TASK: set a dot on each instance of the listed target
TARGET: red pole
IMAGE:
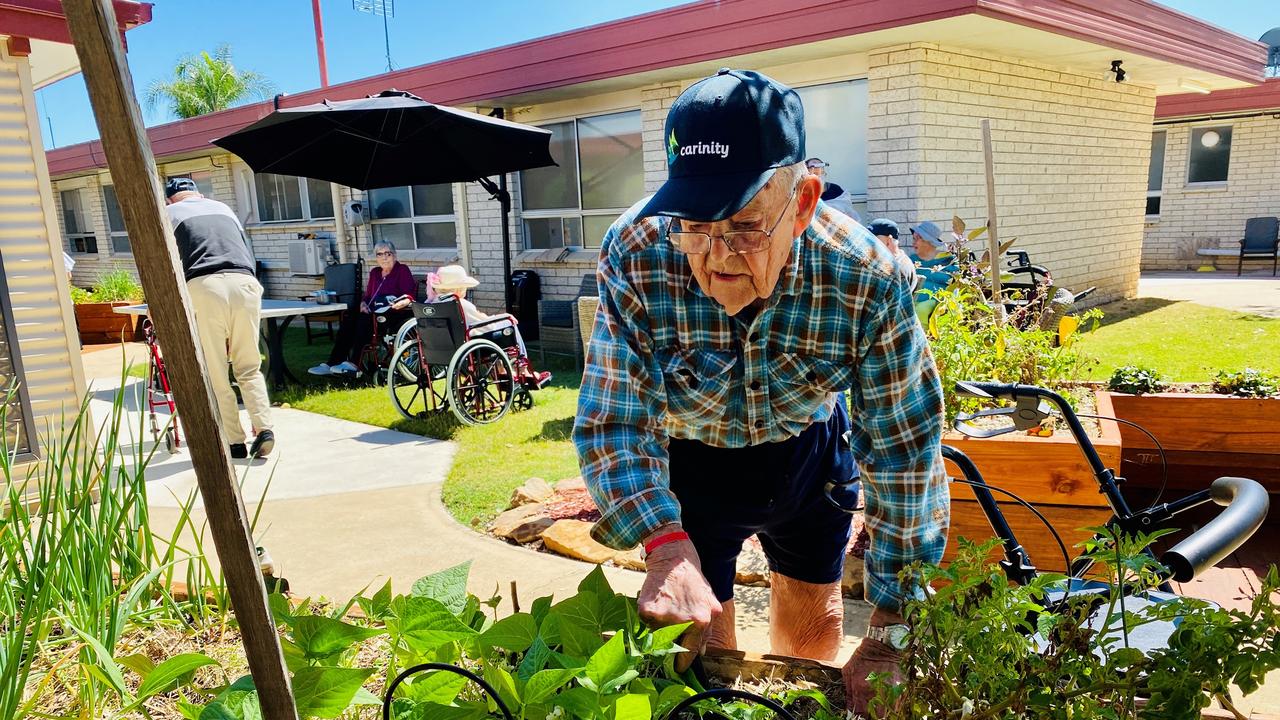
(324, 65)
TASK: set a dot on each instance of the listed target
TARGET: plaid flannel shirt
(665, 360)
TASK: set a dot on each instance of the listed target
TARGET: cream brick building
(894, 96)
(1215, 163)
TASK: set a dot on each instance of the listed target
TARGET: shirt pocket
(800, 383)
(697, 383)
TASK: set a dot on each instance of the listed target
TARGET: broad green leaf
(364, 697)
(281, 610)
(448, 586)
(426, 624)
(618, 682)
(169, 672)
(322, 637)
(502, 681)
(326, 692)
(664, 639)
(671, 696)
(234, 705)
(579, 702)
(515, 633)
(596, 582)
(436, 711)
(294, 658)
(380, 602)
(106, 664)
(189, 711)
(539, 609)
(440, 687)
(534, 660)
(608, 662)
(139, 663)
(632, 707)
(580, 620)
(545, 683)
(549, 629)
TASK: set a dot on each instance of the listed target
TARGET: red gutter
(1260, 97)
(714, 29)
(44, 19)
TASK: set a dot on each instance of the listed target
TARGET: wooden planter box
(1204, 437)
(99, 323)
(1050, 473)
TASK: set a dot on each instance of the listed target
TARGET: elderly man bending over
(732, 319)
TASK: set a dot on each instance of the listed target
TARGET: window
(1155, 173)
(19, 437)
(284, 198)
(414, 217)
(76, 225)
(1210, 154)
(835, 129)
(115, 223)
(600, 175)
(202, 179)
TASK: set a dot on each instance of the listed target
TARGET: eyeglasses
(384, 253)
(740, 242)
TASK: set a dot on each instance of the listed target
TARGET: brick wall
(1071, 155)
(1212, 217)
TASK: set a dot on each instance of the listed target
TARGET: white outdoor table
(277, 315)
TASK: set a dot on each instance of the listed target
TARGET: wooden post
(993, 240)
(133, 170)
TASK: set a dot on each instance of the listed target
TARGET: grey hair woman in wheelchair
(390, 289)
(453, 280)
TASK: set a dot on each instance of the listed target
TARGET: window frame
(413, 219)
(89, 236)
(1206, 184)
(113, 235)
(23, 397)
(858, 200)
(574, 212)
(304, 201)
(1158, 192)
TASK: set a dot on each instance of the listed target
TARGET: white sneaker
(321, 369)
(343, 368)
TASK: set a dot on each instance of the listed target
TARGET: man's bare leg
(724, 633)
(805, 619)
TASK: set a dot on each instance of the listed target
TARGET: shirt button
(759, 424)
(755, 384)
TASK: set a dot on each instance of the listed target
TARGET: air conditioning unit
(308, 256)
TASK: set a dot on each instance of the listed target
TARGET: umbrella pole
(499, 192)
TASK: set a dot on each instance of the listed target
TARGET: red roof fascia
(713, 29)
(44, 19)
(1260, 97)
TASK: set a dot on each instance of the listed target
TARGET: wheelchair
(440, 363)
(375, 353)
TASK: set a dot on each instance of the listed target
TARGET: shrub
(1248, 383)
(117, 286)
(80, 296)
(1136, 380)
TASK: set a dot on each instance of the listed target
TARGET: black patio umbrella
(391, 139)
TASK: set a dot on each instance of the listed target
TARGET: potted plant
(1229, 430)
(94, 309)
(970, 341)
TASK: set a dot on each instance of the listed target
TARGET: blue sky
(275, 37)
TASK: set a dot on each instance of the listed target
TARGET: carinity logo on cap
(675, 149)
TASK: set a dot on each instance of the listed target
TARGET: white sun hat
(453, 277)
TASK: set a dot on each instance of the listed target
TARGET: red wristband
(661, 540)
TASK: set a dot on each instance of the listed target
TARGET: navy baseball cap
(883, 226)
(725, 136)
(175, 185)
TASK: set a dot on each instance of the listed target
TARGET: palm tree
(204, 83)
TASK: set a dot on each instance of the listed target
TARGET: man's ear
(807, 196)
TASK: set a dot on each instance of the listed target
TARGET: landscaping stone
(569, 485)
(534, 490)
(632, 559)
(572, 538)
(753, 567)
(523, 524)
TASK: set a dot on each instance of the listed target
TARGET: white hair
(384, 245)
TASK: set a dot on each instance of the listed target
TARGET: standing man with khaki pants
(227, 300)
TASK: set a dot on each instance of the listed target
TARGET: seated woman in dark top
(388, 280)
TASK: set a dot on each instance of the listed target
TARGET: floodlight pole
(320, 55)
(100, 49)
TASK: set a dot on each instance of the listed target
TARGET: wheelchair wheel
(408, 332)
(481, 383)
(411, 392)
(523, 399)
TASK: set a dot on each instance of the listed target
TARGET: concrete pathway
(1257, 294)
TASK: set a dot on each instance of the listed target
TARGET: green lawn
(1183, 341)
(492, 459)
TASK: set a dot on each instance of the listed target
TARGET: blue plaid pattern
(665, 361)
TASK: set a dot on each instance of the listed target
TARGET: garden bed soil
(1050, 473)
(1204, 436)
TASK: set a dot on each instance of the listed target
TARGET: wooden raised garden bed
(1204, 437)
(1050, 473)
(99, 323)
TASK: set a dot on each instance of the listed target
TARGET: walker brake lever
(1028, 413)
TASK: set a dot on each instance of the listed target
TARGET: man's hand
(872, 656)
(675, 592)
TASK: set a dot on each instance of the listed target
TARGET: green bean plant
(1247, 383)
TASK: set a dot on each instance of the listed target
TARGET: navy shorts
(774, 490)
